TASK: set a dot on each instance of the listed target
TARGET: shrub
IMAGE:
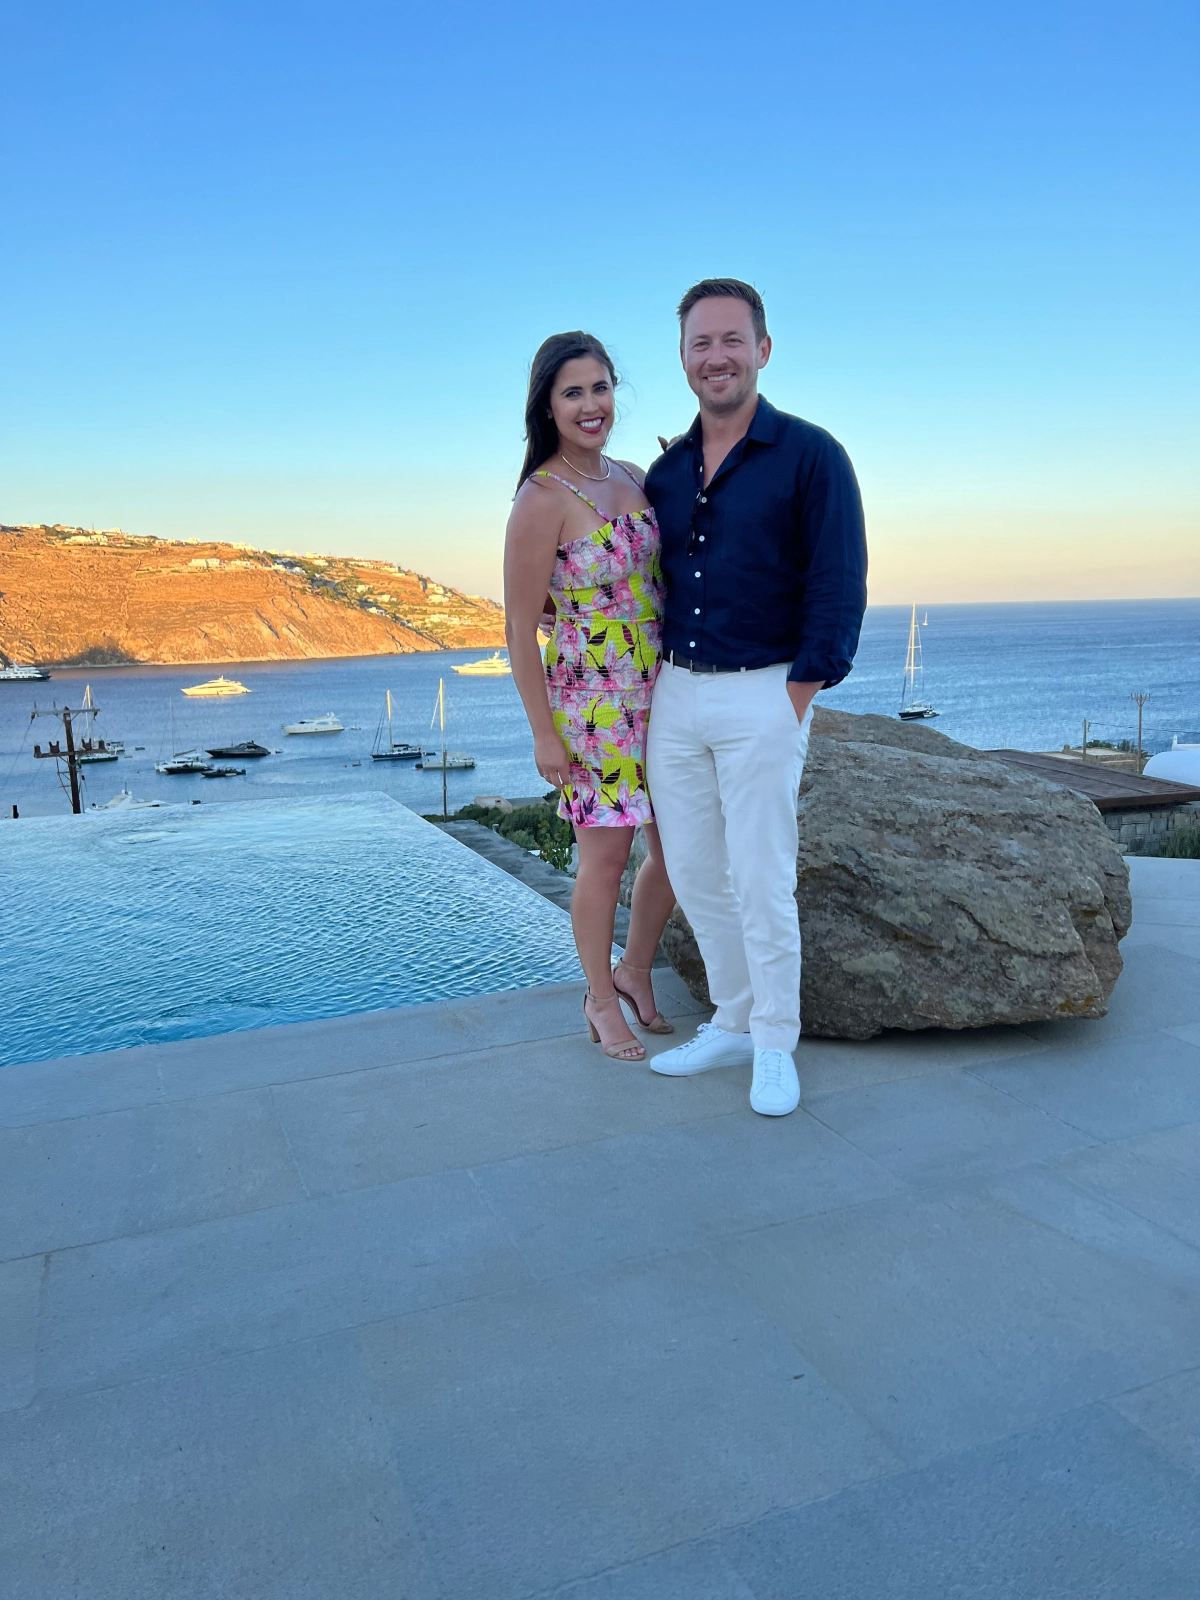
(537, 827)
(1183, 843)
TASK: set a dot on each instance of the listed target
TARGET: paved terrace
(441, 1303)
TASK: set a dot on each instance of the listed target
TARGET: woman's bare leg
(652, 903)
(603, 853)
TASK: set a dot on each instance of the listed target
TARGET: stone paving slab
(929, 1129)
(1154, 1175)
(82, 1179)
(269, 1475)
(491, 1105)
(650, 1193)
(1106, 1090)
(146, 1306)
(1082, 1508)
(951, 1321)
(549, 1440)
(20, 1303)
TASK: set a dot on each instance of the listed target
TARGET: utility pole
(70, 755)
(1140, 700)
(1083, 747)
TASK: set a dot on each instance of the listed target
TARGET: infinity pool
(177, 923)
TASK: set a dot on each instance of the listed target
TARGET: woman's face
(581, 403)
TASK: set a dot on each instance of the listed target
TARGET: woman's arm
(530, 549)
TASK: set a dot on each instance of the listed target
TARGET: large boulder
(939, 888)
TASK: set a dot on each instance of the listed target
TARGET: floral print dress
(601, 664)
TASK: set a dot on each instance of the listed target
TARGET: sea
(1019, 676)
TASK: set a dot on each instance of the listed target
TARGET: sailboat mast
(910, 660)
(391, 741)
(442, 715)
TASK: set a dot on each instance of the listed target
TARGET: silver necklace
(591, 475)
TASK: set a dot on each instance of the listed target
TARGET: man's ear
(764, 351)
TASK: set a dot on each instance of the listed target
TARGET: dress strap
(572, 488)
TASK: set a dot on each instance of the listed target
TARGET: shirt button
(701, 538)
(703, 499)
(697, 611)
(697, 574)
(691, 644)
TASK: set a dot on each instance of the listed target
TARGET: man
(764, 561)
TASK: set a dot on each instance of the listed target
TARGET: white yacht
(216, 687)
(450, 760)
(326, 724)
(125, 801)
(12, 673)
(493, 666)
(184, 761)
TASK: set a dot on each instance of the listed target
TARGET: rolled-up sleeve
(833, 549)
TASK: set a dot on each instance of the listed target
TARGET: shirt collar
(763, 429)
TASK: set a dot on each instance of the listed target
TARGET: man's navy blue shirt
(777, 566)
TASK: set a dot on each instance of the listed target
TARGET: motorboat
(99, 751)
(493, 666)
(184, 761)
(246, 751)
(125, 801)
(216, 688)
(224, 772)
(912, 707)
(447, 760)
(391, 751)
(326, 724)
(12, 673)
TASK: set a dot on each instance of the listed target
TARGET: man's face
(720, 354)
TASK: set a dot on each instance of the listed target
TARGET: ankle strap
(596, 1001)
(629, 966)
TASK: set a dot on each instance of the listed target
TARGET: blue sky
(275, 272)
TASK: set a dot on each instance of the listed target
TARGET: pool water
(128, 928)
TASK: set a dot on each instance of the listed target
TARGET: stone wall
(1139, 833)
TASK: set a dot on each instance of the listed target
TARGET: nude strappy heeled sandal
(631, 1050)
(658, 1023)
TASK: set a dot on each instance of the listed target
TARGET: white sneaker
(776, 1088)
(712, 1047)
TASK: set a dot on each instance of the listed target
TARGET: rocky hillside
(67, 595)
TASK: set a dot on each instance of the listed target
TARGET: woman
(582, 531)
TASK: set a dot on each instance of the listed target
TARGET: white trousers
(724, 760)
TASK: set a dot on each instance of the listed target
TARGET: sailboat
(443, 760)
(912, 707)
(181, 762)
(391, 751)
(92, 749)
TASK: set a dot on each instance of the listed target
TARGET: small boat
(391, 751)
(246, 751)
(10, 672)
(449, 760)
(224, 772)
(326, 724)
(493, 666)
(184, 761)
(98, 752)
(216, 687)
(912, 707)
(126, 802)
